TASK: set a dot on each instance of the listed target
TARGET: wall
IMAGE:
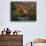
(30, 30)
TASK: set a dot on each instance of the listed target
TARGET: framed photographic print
(23, 11)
